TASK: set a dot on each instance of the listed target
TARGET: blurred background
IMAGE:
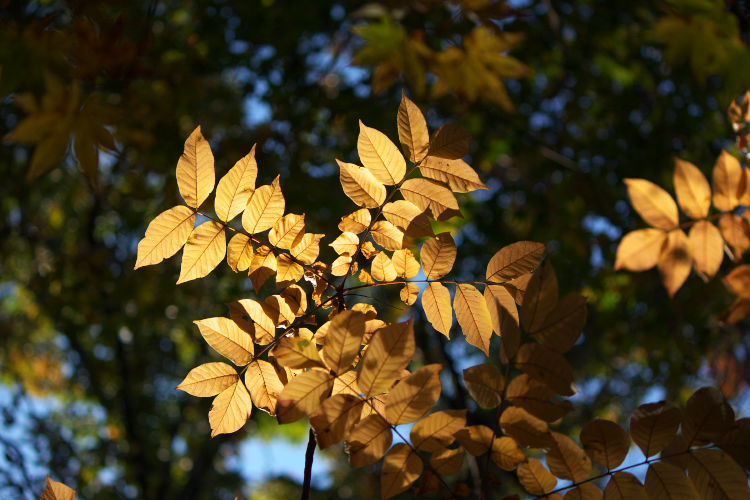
(564, 99)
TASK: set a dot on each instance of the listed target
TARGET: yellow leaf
(654, 425)
(409, 294)
(716, 475)
(408, 217)
(457, 174)
(297, 354)
(388, 353)
(540, 298)
(477, 439)
(506, 453)
(624, 486)
(653, 204)
(485, 384)
(414, 395)
(667, 482)
(566, 459)
(707, 247)
(341, 265)
(438, 255)
(562, 328)
(675, 261)
(296, 299)
(236, 187)
(382, 268)
(535, 477)
(401, 467)
(264, 328)
(230, 409)
(405, 263)
(343, 340)
(240, 252)
(412, 130)
(447, 461)
(204, 249)
(450, 142)
(361, 186)
(735, 230)
(264, 385)
(227, 339)
(387, 235)
(346, 244)
(165, 235)
(514, 260)
(265, 207)
(302, 395)
(535, 397)
(693, 191)
(346, 383)
(436, 302)
(287, 231)
(707, 417)
(55, 490)
(208, 379)
(282, 312)
(640, 250)
(355, 222)
(335, 418)
(546, 365)
(288, 271)
(473, 316)
(368, 441)
(380, 156)
(738, 280)
(501, 305)
(606, 442)
(195, 170)
(368, 250)
(426, 193)
(262, 267)
(525, 428)
(436, 431)
(308, 248)
(727, 180)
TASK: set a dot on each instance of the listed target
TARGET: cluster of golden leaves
(666, 245)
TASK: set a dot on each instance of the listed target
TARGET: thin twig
(309, 456)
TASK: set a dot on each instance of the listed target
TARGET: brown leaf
(414, 395)
(401, 467)
(412, 130)
(735, 230)
(736, 442)
(387, 235)
(335, 418)
(411, 219)
(640, 250)
(506, 453)
(707, 416)
(566, 459)
(535, 477)
(55, 490)
(675, 261)
(450, 141)
(540, 298)
(563, 327)
(302, 395)
(738, 280)
(606, 442)
(343, 340)
(264, 385)
(652, 203)
(368, 441)
(667, 482)
(585, 491)
(716, 475)
(501, 305)
(525, 428)
(547, 366)
(535, 397)
(426, 193)
(485, 384)
(457, 174)
(514, 260)
(438, 255)
(262, 267)
(624, 486)
(388, 353)
(473, 316)
(355, 222)
(447, 461)
(297, 354)
(654, 425)
(693, 191)
(361, 186)
(436, 431)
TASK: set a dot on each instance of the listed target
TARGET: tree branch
(309, 455)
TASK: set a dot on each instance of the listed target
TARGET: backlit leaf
(653, 204)
(536, 398)
(260, 313)
(236, 187)
(485, 384)
(514, 260)
(693, 191)
(432, 195)
(436, 301)
(457, 174)
(675, 261)
(412, 130)
(506, 453)
(447, 461)
(55, 490)
(547, 366)
(401, 467)
(540, 298)
(639, 250)
(408, 217)
(380, 156)
(240, 252)
(738, 280)
(355, 222)
(368, 441)
(302, 395)
(165, 235)
(450, 141)
(382, 268)
(204, 250)
(501, 305)
(584, 491)
(707, 416)
(716, 476)
(227, 339)
(707, 247)
(606, 442)
(436, 431)
(562, 327)
(654, 425)
(667, 482)
(405, 263)
(287, 231)
(409, 294)
(297, 353)
(624, 486)
(208, 379)
(343, 340)
(477, 439)
(535, 477)
(335, 418)
(525, 428)
(388, 353)
(265, 207)
(307, 248)
(361, 186)
(566, 459)
(414, 395)
(387, 235)
(346, 244)
(736, 232)
(262, 266)
(727, 182)
(288, 271)
(296, 299)
(264, 385)
(438, 255)
(473, 316)
(230, 409)
(195, 170)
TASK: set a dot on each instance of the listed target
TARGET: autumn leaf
(264, 385)
(432, 195)
(537, 398)
(265, 207)
(707, 247)
(401, 467)
(450, 142)
(343, 340)
(606, 442)
(652, 203)
(654, 425)
(405, 264)
(727, 182)
(382, 269)
(389, 352)
(227, 339)
(380, 156)
(514, 260)
(55, 490)
(693, 191)
(535, 477)
(195, 170)
(287, 231)
(457, 174)
(412, 130)
(624, 486)
(715, 475)
(335, 418)
(368, 441)
(204, 250)
(546, 366)
(302, 395)
(675, 261)
(408, 217)
(355, 222)
(438, 255)
(236, 187)
(165, 235)
(668, 482)
(473, 316)
(230, 409)
(485, 384)
(436, 431)
(525, 428)
(208, 379)
(436, 302)
(639, 250)
(414, 395)
(240, 252)
(361, 186)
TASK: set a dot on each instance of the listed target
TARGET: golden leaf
(236, 187)
(473, 316)
(308, 248)
(716, 475)
(341, 265)
(261, 314)
(296, 299)
(346, 244)
(707, 247)
(451, 142)
(566, 459)
(653, 204)
(436, 431)
(355, 222)
(675, 261)
(639, 250)
(426, 193)
(736, 232)
(436, 302)
(409, 294)
(335, 418)
(485, 384)
(438, 255)
(264, 385)
(412, 130)
(727, 181)
(506, 453)
(165, 235)
(606, 442)
(343, 340)
(361, 186)
(501, 306)
(227, 339)
(401, 467)
(447, 461)
(368, 441)
(738, 280)
(624, 486)
(540, 298)
(667, 482)
(265, 207)
(204, 249)
(693, 191)
(535, 477)
(55, 490)
(287, 231)
(282, 312)
(208, 379)
(240, 252)
(525, 428)
(546, 365)
(382, 268)
(262, 267)
(534, 397)
(707, 417)
(230, 409)
(562, 328)
(346, 383)
(654, 425)
(380, 156)
(405, 263)
(368, 250)
(388, 353)
(457, 174)
(414, 395)
(408, 217)
(387, 235)
(514, 260)
(195, 170)
(288, 271)
(365, 277)
(302, 395)
(297, 354)
(477, 439)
